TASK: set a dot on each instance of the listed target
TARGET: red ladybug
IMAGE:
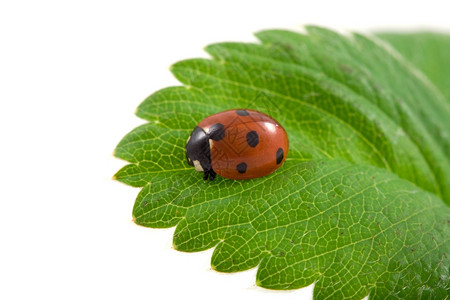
(237, 144)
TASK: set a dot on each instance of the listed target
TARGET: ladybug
(237, 144)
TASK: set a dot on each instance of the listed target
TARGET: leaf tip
(214, 267)
(172, 67)
(174, 246)
(258, 282)
(115, 176)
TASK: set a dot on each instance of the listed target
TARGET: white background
(71, 75)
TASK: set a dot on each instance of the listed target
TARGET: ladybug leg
(212, 174)
(209, 174)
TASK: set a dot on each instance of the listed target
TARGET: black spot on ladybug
(252, 139)
(242, 112)
(242, 167)
(280, 155)
(217, 132)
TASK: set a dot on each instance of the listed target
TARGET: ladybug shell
(251, 143)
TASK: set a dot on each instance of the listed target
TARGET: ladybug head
(197, 150)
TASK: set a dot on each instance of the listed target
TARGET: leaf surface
(360, 206)
(428, 51)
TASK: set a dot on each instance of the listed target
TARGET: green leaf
(361, 205)
(429, 52)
